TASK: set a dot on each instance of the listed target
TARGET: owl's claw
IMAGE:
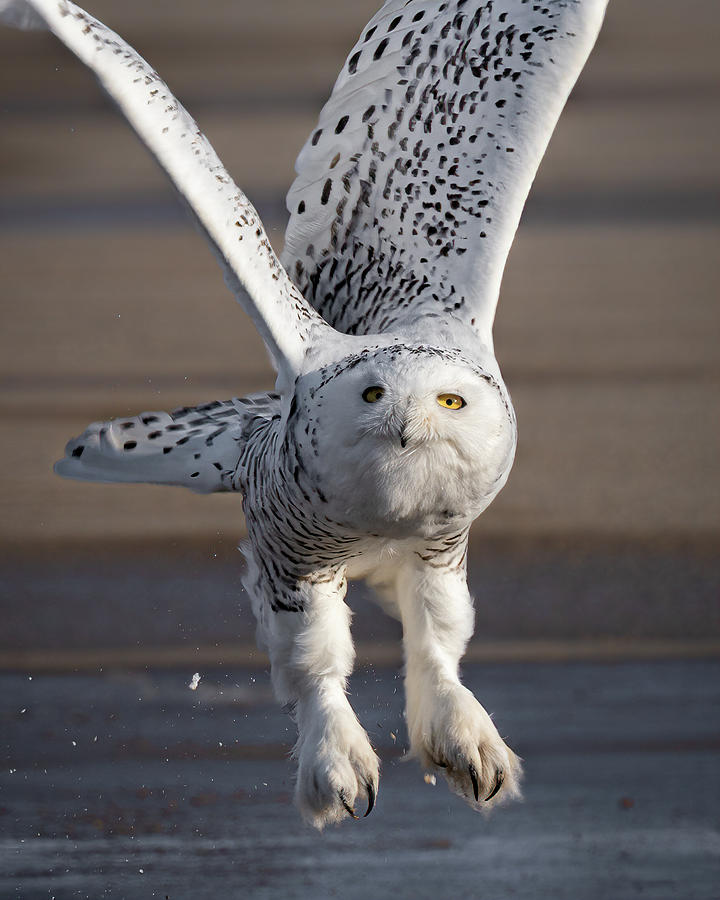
(474, 778)
(348, 809)
(371, 798)
(499, 778)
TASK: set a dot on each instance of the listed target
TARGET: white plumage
(424, 155)
(391, 429)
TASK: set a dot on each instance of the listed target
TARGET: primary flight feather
(390, 429)
(410, 189)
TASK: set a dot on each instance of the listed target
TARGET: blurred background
(604, 544)
(607, 328)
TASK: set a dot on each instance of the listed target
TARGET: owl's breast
(399, 493)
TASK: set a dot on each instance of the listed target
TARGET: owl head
(405, 438)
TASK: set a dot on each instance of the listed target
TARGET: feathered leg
(448, 728)
(311, 654)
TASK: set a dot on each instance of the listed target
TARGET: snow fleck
(430, 779)
(194, 682)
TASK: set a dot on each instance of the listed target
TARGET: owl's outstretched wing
(410, 190)
(281, 315)
(196, 447)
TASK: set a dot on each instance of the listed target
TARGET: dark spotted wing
(196, 447)
(410, 189)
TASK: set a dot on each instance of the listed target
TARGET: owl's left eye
(451, 401)
(373, 394)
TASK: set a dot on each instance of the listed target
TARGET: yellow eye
(373, 394)
(451, 401)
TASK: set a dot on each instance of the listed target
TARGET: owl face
(406, 439)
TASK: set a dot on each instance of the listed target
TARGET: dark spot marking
(78, 451)
(129, 445)
(341, 124)
(325, 196)
(380, 49)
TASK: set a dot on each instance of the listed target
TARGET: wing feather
(280, 313)
(195, 447)
(410, 189)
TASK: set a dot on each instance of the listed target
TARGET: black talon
(371, 797)
(350, 811)
(474, 778)
(499, 778)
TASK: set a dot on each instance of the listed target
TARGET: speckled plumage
(410, 189)
(390, 429)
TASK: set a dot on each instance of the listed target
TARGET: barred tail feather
(194, 447)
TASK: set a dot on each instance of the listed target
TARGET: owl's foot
(451, 731)
(337, 770)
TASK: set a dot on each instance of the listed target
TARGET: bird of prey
(389, 429)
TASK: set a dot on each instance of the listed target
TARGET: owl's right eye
(373, 394)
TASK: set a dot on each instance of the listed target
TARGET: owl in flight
(390, 428)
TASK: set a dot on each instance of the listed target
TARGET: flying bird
(389, 429)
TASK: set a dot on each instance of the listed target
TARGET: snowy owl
(390, 428)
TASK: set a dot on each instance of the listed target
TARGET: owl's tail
(195, 447)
